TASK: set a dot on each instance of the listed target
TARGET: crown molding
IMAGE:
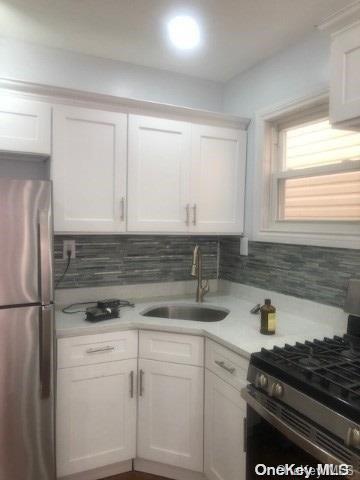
(341, 19)
(128, 105)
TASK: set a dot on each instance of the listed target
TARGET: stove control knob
(262, 380)
(353, 437)
(277, 390)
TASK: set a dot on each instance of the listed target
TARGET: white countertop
(238, 331)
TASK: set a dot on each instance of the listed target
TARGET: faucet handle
(205, 287)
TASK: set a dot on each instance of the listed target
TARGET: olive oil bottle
(268, 318)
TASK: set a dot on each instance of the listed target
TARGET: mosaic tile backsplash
(129, 259)
(315, 273)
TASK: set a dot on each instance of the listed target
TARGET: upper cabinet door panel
(25, 126)
(89, 170)
(159, 159)
(217, 179)
(345, 77)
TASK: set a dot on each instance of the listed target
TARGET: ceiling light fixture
(184, 32)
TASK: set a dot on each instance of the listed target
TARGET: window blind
(318, 144)
(326, 195)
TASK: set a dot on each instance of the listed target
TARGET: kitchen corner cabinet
(185, 177)
(89, 170)
(25, 126)
(345, 78)
(170, 425)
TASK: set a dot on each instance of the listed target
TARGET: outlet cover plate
(69, 245)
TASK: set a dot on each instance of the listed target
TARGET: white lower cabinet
(170, 425)
(113, 406)
(225, 411)
(96, 416)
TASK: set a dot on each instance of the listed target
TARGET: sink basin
(198, 313)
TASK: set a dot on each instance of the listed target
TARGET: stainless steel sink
(198, 313)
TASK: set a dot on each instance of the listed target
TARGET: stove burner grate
(333, 364)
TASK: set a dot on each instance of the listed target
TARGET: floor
(135, 476)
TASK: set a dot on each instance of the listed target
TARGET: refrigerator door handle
(45, 257)
(46, 350)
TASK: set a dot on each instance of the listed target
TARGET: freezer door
(25, 242)
(26, 394)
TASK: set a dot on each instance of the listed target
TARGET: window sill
(315, 239)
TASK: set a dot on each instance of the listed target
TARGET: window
(319, 173)
(309, 174)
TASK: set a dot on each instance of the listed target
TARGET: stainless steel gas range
(303, 410)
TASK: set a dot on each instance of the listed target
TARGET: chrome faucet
(196, 271)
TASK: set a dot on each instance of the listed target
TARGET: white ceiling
(236, 33)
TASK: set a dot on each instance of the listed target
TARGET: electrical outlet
(244, 246)
(69, 245)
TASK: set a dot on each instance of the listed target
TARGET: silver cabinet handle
(132, 384)
(122, 209)
(222, 364)
(187, 219)
(141, 389)
(108, 348)
(194, 214)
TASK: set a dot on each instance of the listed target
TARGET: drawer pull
(108, 348)
(222, 364)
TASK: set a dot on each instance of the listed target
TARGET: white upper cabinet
(184, 177)
(217, 179)
(345, 78)
(25, 126)
(89, 170)
(158, 182)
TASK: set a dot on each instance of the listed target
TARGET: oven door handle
(293, 435)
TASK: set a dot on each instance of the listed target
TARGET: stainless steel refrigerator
(26, 331)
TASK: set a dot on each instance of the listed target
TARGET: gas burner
(310, 362)
(354, 351)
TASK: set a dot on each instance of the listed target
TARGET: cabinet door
(224, 430)
(96, 416)
(159, 159)
(170, 425)
(89, 170)
(217, 179)
(345, 77)
(25, 126)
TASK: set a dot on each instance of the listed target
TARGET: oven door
(277, 436)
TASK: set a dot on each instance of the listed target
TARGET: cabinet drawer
(172, 347)
(92, 349)
(226, 364)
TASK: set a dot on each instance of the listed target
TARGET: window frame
(266, 224)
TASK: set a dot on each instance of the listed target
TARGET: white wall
(295, 72)
(34, 63)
